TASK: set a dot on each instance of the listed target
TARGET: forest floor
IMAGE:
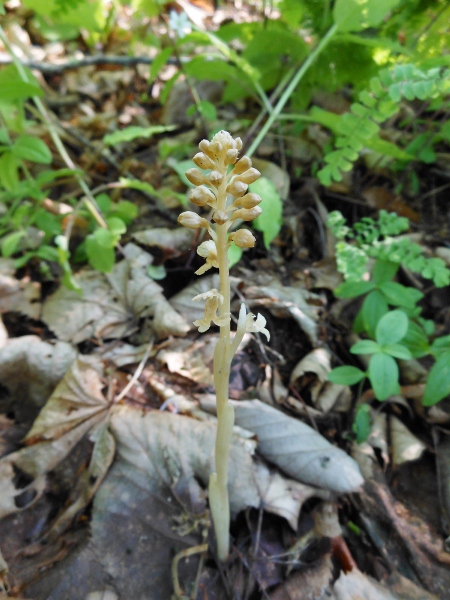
(107, 418)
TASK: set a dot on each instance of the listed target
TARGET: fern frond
(376, 105)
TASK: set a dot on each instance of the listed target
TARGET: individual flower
(243, 238)
(249, 176)
(242, 165)
(212, 300)
(252, 326)
(237, 188)
(201, 196)
(195, 176)
(248, 201)
(203, 161)
(220, 217)
(209, 251)
(192, 220)
(247, 214)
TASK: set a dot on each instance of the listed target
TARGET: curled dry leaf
(112, 305)
(21, 296)
(325, 394)
(297, 449)
(30, 369)
(405, 445)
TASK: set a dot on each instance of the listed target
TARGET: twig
(137, 373)
(88, 61)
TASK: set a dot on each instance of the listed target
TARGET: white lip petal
(256, 326)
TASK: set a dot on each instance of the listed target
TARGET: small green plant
(389, 316)
(228, 177)
(360, 127)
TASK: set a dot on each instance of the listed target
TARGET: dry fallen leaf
(22, 296)
(357, 586)
(112, 305)
(172, 241)
(292, 301)
(77, 399)
(405, 445)
(30, 369)
(297, 449)
(325, 395)
(191, 359)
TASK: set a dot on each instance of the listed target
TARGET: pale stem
(218, 485)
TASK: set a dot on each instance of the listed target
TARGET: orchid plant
(225, 190)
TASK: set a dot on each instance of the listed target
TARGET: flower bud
(247, 214)
(237, 188)
(242, 165)
(201, 196)
(249, 176)
(231, 156)
(249, 200)
(192, 220)
(238, 143)
(215, 178)
(220, 217)
(195, 176)
(243, 238)
(203, 161)
(205, 147)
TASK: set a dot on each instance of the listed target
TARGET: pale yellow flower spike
(213, 190)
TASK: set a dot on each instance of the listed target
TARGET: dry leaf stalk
(225, 190)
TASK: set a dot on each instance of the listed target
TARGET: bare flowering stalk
(224, 189)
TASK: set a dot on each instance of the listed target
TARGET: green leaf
(400, 295)
(100, 255)
(157, 272)
(397, 351)
(416, 340)
(18, 90)
(384, 270)
(355, 15)
(207, 110)
(9, 171)
(374, 307)
(383, 375)
(116, 226)
(361, 424)
(234, 255)
(125, 210)
(270, 221)
(131, 133)
(11, 242)
(104, 238)
(391, 328)
(28, 147)
(440, 345)
(438, 382)
(365, 347)
(346, 375)
(352, 289)
(158, 62)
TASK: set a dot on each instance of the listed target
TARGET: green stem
(291, 87)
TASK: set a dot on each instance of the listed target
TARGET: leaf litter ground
(100, 491)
